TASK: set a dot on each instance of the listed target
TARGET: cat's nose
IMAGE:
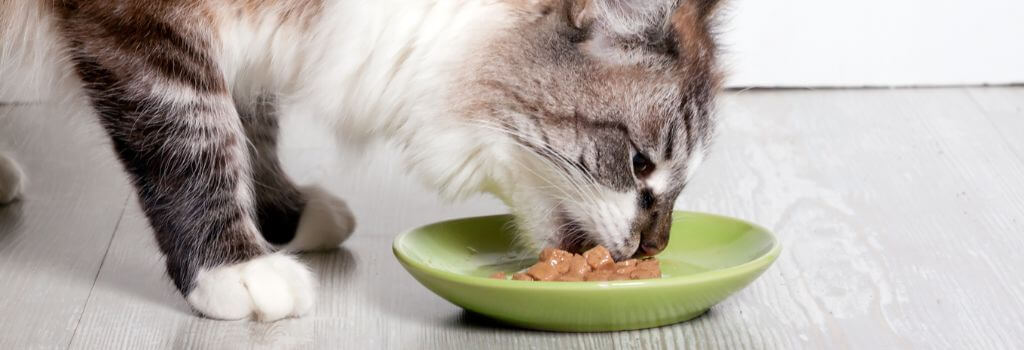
(652, 247)
(655, 239)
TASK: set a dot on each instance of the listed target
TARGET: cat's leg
(12, 179)
(326, 222)
(192, 170)
(165, 105)
(292, 218)
(191, 167)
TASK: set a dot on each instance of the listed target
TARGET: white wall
(873, 42)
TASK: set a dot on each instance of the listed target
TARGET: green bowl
(708, 258)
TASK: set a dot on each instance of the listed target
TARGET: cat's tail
(30, 52)
(12, 179)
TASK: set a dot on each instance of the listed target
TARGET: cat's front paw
(326, 222)
(267, 288)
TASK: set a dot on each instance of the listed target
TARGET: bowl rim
(761, 262)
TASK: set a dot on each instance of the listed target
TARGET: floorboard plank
(1004, 107)
(52, 241)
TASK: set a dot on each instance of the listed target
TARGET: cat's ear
(691, 22)
(581, 13)
(621, 29)
(635, 16)
(644, 21)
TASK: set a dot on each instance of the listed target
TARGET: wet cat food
(593, 265)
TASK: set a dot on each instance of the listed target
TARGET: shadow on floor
(11, 215)
(471, 320)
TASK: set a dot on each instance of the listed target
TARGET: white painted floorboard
(900, 213)
(53, 241)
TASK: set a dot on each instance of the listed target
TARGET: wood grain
(900, 212)
(53, 240)
(1005, 109)
(897, 210)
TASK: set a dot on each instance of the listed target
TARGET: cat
(586, 117)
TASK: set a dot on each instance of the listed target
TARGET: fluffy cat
(587, 117)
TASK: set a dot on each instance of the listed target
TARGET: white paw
(325, 223)
(267, 288)
(12, 179)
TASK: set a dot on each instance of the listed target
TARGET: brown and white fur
(587, 117)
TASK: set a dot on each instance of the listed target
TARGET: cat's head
(605, 111)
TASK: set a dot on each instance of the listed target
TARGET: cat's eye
(642, 165)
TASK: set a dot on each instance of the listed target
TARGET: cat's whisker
(543, 178)
(513, 133)
(584, 191)
(545, 146)
(587, 193)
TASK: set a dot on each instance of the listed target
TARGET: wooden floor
(901, 214)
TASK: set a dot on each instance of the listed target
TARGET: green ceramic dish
(708, 258)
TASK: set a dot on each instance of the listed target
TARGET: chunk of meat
(570, 277)
(599, 258)
(602, 275)
(640, 274)
(543, 271)
(625, 270)
(557, 258)
(578, 265)
(555, 254)
(650, 265)
(618, 277)
(522, 277)
(626, 263)
(594, 265)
